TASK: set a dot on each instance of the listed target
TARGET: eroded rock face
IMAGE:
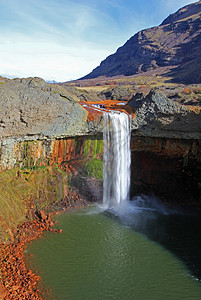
(44, 125)
(34, 153)
(30, 107)
(158, 116)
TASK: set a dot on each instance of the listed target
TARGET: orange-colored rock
(16, 282)
(95, 109)
(63, 150)
(42, 215)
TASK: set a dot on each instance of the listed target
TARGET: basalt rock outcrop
(44, 125)
(30, 107)
(31, 110)
(176, 42)
(158, 116)
(166, 149)
(38, 121)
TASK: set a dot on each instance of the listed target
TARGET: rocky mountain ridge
(176, 42)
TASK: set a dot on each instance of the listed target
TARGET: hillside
(176, 43)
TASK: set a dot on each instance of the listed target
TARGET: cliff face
(40, 174)
(38, 122)
(176, 42)
(168, 168)
(31, 110)
(44, 126)
(47, 152)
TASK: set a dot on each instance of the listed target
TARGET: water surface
(99, 255)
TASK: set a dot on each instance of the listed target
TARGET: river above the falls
(135, 254)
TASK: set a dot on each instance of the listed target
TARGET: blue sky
(63, 40)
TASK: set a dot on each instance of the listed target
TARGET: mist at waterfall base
(121, 249)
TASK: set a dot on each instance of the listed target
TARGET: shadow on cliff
(178, 232)
(188, 72)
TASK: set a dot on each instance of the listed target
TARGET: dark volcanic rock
(176, 42)
(32, 107)
(117, 93)
(158, 116)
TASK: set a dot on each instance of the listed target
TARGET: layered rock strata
(44, 125)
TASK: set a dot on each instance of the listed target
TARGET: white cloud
(53, 42)
(48, 60)
(66, 39)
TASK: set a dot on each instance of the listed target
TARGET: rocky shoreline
(16, 281)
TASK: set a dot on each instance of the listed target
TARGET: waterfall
(116, 159)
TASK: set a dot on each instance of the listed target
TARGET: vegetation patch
(93, 147)
(94, 168)
(25, 190)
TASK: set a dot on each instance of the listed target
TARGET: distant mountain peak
(176, 42)
(183, 13)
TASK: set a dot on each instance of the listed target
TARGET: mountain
(176, 42)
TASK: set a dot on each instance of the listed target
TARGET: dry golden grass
(93, 88)
(19, 188)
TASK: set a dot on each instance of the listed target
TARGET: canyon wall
(40, 174)
(167, 168)
(47, 152)
(50, 143)
(170, 168)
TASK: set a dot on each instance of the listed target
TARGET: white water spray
(116, 159)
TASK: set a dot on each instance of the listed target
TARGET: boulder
(30, 107)
(158, 116)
